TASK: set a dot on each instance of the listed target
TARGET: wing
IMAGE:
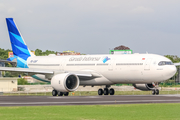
(177, 64)
(26, 70)
(85, 75)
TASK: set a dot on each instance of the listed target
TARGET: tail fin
(20, 50)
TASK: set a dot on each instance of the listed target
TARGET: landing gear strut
(106, 91)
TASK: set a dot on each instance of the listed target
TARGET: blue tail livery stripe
(11, 26)
(20, 49)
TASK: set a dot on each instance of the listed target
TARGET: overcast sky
(95, 26)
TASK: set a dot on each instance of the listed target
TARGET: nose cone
(171, 71)
(174, 70)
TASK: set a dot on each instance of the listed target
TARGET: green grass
(94, 93)
(93, 112)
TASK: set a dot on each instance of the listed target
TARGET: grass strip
(93, 112)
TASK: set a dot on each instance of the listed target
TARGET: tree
(173, 58)
(22, 81)
(39, 52)
(4, 53)
(122, 47)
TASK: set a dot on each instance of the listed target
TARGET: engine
(65, 82)
(144, 87)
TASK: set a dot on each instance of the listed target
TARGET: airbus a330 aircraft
(66, 73)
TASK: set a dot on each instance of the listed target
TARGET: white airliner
(66, 73)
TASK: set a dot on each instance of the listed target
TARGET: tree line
(38, 52)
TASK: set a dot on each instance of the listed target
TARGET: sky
(95, 26)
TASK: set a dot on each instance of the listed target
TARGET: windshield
(165, 63)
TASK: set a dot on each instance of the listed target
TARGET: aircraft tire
(100, 91)
(60, 93)
(111, 91)
(157, 92)
(153, 92)
(54, 93)
(106, 91)
(66, 93)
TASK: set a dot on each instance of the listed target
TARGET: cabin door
(147, 64)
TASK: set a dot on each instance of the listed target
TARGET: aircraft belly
(126, 76)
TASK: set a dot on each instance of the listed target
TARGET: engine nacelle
(65, 82)
(144, 87)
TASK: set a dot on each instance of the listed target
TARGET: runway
(86, 100)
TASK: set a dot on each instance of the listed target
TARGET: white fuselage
(113, 69)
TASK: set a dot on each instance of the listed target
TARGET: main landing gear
(55, 93)
(155, 92)
(106, 91)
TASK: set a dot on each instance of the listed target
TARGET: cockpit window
(165, 63)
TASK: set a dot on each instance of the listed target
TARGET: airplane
(67, 73)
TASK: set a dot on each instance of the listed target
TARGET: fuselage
(113, 69)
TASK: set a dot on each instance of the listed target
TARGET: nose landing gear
(155, 92)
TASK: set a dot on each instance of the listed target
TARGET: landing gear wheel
(66, 93)
(100, 92)
(157, 92)
(153, 92)
(111, 91)
(54, 93)
(106, 91)
(60, 93)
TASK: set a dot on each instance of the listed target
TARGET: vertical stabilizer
(20, 50)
